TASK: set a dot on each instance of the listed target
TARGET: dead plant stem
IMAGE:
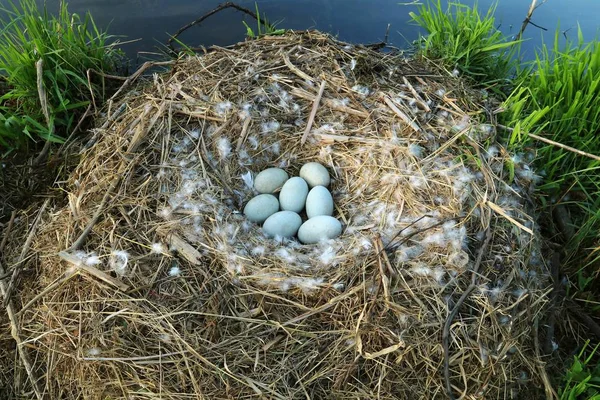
(452, 314)
(13, 278)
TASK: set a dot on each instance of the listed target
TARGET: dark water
(358, 21)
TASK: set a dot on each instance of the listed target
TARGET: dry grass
(175, 295)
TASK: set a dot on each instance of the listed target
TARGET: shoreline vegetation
(58, 71)
(52, 68)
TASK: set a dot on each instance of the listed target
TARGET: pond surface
(357, 21)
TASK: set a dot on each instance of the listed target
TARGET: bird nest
(148, 281)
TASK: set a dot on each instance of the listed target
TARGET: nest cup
(197, 301)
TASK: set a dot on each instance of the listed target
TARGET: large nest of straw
(434, 288)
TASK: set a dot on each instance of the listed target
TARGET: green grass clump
(263, 26)
(582, 381)
(460, 37)
(558, 96)
(66, 46)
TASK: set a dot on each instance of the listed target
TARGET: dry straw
(433, 290)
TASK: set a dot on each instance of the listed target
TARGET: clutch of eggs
(282, 200)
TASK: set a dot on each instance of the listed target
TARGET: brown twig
(563, 222)
(387, 33)
(313, 113)
(296, 70)
(548, 389)
(20, 348)
(24, 251)
(329, 103)
(7, 231)
(564, 147)
(219, 8)
(384, 280)
(133, 77)
(39, 66)
(592, 325)
(243, 134)
(527, 20)
(76, 262)
(452, 314)
(10, 311)
(553, 143)
(386, 260)
(79, 242)
(537, 26)
(38, 160)
(68, 142)
(417, 97)
(105, 75)
(6, 274)
(400, 113)
(496, 208)
(417, 232)
(325, 306)
(90, 87)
